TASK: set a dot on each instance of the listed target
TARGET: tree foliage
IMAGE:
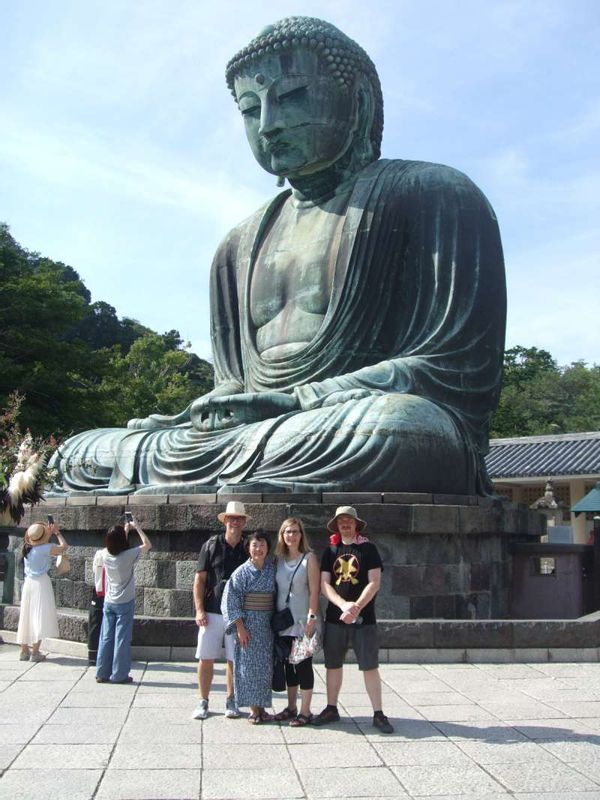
(539, 397)
(77, 364)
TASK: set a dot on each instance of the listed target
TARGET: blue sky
(123, 154)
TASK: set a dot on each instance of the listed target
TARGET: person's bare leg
(229, 678)
(25, 649)
(306, 701)
(35, 648)
(334, 685)
(205, 676)
(373, 686)
(292, 693)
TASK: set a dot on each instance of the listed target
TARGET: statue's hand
(156, 421)
(218, 413)
(348, 394)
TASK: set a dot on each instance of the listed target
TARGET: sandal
(266, 717)
(38, 656)
(287, 713)
(301, 720)
(254, 719)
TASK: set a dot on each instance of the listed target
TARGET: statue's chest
(295, 263)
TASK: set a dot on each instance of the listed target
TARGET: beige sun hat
(36, 532)
(349, 511)
(234, 509)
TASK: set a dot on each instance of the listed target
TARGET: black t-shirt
(349, 565)
(218, 560)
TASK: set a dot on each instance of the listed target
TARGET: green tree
(101, 327)
(76, 362)
(539, 397)
(155, 376)
(40, 301)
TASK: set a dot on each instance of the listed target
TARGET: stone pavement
(468, 731)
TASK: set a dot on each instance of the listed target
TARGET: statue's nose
(270, 117)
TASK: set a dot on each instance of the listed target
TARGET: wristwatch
(312, 616)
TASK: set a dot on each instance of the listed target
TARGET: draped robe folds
(415, 319)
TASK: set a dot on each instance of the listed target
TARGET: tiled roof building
(519, 468)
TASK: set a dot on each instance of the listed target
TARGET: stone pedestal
(445, 557)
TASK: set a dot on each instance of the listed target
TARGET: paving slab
(594, 795)
(396, 754)
(50, 784)
(166, 784)
(247, 756)
(250, 784)
(538, 778)
(69, 756)
(144, 755)
(351, 782)
(435, 779)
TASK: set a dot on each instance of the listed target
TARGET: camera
(50, 519)
(128, 516)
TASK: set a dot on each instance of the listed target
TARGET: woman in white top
(114, 650)
(37, 618)
(297, 573)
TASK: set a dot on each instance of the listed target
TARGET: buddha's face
(298, 119)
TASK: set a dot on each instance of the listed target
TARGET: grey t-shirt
(120, 585)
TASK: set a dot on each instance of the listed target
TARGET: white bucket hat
(349, 511)
(233, 509)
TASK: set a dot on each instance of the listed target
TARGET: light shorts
(212, 638)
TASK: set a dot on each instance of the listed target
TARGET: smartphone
(128, 516)
(50, 519)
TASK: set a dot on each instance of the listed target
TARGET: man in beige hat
(219, 557)
(350, 578)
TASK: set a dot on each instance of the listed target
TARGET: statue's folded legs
(373, 444)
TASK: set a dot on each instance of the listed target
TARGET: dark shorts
(362, 638)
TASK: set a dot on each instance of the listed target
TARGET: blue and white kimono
(253, 664)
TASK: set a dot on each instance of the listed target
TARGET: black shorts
(362, 638)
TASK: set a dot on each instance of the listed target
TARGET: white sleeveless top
(299, 596)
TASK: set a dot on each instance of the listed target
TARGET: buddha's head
(310, 98)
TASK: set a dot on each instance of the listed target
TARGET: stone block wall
(445, 557)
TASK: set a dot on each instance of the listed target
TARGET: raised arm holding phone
(118, 558)
(37, 618)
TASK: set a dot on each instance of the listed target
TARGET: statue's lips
(277, 148)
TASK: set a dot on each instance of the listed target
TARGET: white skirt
(37, 619)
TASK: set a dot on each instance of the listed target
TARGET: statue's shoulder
(249, 227)
(412, 183)
(421, 175)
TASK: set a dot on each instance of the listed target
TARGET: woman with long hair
(298, 586)
(37, 618)
(113, 661)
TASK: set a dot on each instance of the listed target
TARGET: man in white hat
(219, 557)
(350, 578)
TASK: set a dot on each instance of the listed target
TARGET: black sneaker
(382, 723)
(327, 716)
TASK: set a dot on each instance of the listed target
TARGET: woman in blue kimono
(247, 606)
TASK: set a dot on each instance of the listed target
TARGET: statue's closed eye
(297, 92)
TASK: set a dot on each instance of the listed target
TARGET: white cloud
(78, 158)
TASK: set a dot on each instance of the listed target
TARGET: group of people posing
(238, 587)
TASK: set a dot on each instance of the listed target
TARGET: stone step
(180, 633)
